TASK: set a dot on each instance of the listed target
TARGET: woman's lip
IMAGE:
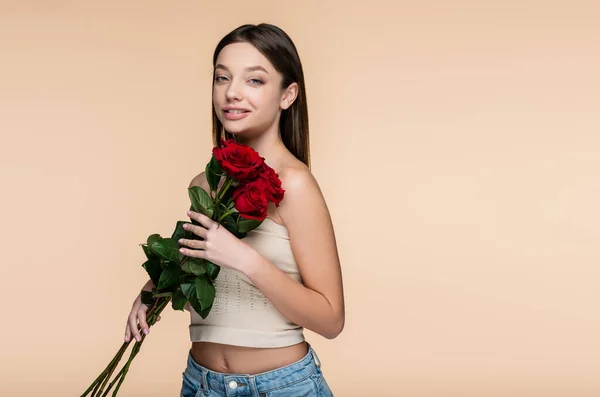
(235, 116)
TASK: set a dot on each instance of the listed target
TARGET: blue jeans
(300, 379)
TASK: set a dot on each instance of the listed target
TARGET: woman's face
(247, 93)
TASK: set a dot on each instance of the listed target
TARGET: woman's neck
(268, 146)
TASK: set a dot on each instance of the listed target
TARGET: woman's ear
(289, 96)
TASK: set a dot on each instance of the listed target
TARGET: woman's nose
(232, 91)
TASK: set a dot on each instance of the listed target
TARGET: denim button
(233, 384)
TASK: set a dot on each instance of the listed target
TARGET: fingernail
(146, 331)
(126, 339)
(189, 212)
(138, 338)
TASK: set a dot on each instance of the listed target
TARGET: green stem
(111, 368)
(222, 191)
(163, 294)
(224, 188)
(121, 375)
(225, 215)
(100, 383)
(134, 352)
(96, 384)
(113, 365)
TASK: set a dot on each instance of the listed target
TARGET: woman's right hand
(138, 315)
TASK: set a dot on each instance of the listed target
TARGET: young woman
(285, 275)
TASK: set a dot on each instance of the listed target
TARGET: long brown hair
(280, 50)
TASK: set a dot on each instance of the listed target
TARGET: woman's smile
(235, 114)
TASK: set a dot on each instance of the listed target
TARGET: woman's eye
(219, 77)
(255, 81)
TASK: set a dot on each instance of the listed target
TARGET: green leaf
(186, 267)
(230, 224)
(180, 232)
(188, 289)
(179, 300)
(167, 248)
(164, 263)
(205, 291)
(204, 313)
(153, 269)
(195, 303)
(230, 205)
(169, 277)
(147, 298)
(201, 201)
(245, 225)
(148, 252)
(194, 266)
(213, 173)
(212, 270)
(152, 238)
(185, 278)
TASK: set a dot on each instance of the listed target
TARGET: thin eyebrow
(248, 69)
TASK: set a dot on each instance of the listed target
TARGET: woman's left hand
(220, 246)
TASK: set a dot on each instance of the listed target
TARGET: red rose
(250, 199)
(240, 162)
(273, 184)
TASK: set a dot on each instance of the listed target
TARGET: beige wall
(456, 143)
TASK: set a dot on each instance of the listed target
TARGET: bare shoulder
(200, 180)
(303, 198)
(298, 180)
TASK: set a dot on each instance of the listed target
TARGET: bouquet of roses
(241, 186)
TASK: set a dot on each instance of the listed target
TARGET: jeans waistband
(243, 384)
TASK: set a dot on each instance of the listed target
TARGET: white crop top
(241, 315)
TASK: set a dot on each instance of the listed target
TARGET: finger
(203, 219)
(196, 244)
(193, 253)
(134, 307)
(157, 318)
(127, 332)
(197, 230)
(142, 321)
(133, 326)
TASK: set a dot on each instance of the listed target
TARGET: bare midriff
(245, 360)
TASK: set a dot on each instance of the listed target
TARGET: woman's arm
(319, 304)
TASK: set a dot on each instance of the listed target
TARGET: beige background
(456, 142)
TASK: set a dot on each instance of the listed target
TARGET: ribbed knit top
(241, 315)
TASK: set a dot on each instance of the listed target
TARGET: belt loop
(205, 382)
(253, 387)
(317, 361)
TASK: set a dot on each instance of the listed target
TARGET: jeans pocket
(323, 389)
(189, 387)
